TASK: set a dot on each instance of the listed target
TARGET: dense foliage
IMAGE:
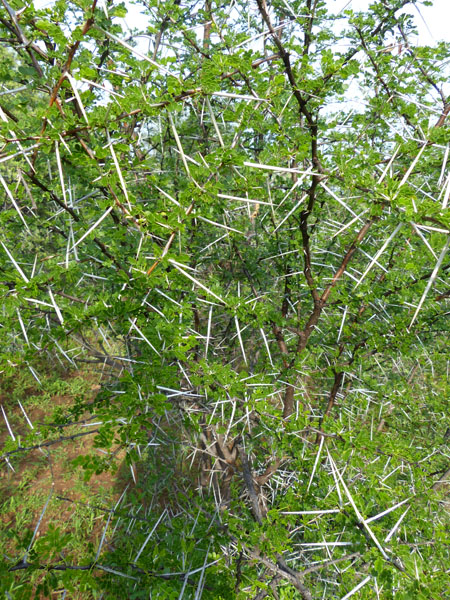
(239, 211)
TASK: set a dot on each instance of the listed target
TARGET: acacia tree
(239, 210)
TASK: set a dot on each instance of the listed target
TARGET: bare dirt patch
(40, 489)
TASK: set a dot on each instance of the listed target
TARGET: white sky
(433, 22)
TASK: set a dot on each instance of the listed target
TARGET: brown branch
(106, 568)
(271, 469)
(338, 378)
(247, 475)
(347, 258)
(309, 26)
(281, 569)
(23, 40)
(260, 513)
(72, 51)
(76, 218)
(443, 116)
(307, 270)
(179, 98)
(48, 443)
(303, 336)
(443, 482)
(207, 26)
(11, 116)
(284, 55)
(54, 94)
(419, 66)
(391, 95)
